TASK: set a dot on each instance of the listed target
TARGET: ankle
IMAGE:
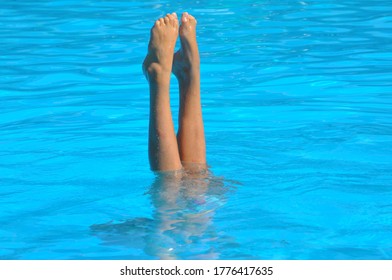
(157, 72)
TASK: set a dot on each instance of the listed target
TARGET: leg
(157, 66)
(186, 67)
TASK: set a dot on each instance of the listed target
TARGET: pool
(297, 107)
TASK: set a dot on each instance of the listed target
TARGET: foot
(186, 60)
(159, 60)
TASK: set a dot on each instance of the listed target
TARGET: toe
(191, 18)
(175, 19)
(171, 19)
(184, 17)
(166, 20)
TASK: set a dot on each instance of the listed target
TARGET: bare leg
(157, 66)
(186, 67)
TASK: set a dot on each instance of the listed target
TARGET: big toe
(187, 19)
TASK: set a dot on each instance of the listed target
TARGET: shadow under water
(182, 224)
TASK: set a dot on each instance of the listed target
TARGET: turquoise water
(298, 117)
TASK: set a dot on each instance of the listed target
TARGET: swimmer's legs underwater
(165, 153)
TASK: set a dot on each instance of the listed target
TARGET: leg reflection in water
(182, 222)
(184, 209)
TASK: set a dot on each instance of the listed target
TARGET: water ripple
(297, 107)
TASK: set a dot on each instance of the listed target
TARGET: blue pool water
(297, 104)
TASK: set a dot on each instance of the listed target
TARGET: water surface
(298, 119)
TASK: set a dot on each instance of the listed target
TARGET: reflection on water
(182, 223)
